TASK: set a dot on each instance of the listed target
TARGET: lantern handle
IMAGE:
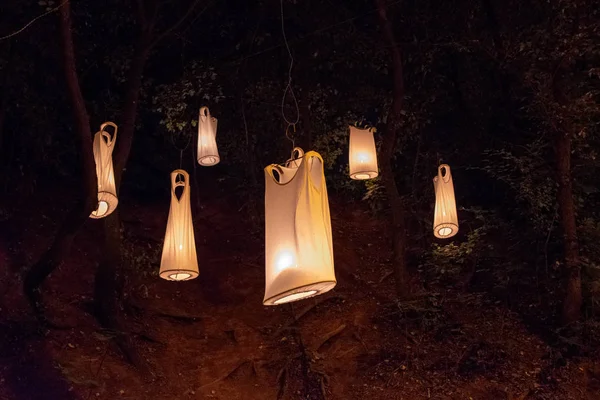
(297, 155)
(298, 151)
(175, 183)
(110, 139)
(204, 114)
(269, 169)
(447, 175)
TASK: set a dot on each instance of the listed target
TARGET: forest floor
(211, 338)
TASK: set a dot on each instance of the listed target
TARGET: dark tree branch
(401, 275)
(80, 212)
(177, 24)
(5, 92)
(571, 309)
(141, 12)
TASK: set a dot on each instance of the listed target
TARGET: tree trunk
(5, 93)
(305, 118)
(108, 284)
(401, 274)
(88, 200)
(571, 310)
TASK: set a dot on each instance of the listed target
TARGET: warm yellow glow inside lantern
(208, 154)
(103, 146)
(363, 154)
(445, 219)
(298, 245)
(179, 261)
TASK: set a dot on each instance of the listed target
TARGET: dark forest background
(505, 92)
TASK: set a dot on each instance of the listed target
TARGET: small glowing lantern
(179, 261)
(208, 154)
(445, 219)
(363, 154)
(298, 244)
(104, 144)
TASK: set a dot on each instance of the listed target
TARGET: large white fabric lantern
(103, 146)
(208, 154)
(298, 245)
(445, 219)
(179, 261)
(363, 154)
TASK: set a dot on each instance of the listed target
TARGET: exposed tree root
(180, 317)
(331, 335)
(303, 312)
(282, 376)
(237, 367)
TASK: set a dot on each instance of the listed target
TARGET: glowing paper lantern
(298, 245)
(208, 154)
(179, 261)
(445, 219)
(107, 193)
(363, 154)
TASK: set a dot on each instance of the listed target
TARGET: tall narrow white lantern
(179, 261)
(363, 154)
(103, 145)
(208, 154)
(445, 219)
(298, 244)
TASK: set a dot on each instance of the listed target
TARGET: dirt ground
(211, 338)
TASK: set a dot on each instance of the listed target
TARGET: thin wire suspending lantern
(445, 219)
(363, 154)
(103, 146)
(208, 154)
(179, 261)
(298, 244)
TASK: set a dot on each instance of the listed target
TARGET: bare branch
(33, 20)
(177, 24)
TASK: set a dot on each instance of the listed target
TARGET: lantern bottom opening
(299, 293)
(178, 275)
(294, 297)
(444, 231)
(107, 203)
(362, 175)
(208, 161)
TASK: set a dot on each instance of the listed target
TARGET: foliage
(529, 178)
(178, 103)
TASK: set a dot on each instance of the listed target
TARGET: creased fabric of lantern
(298, 244)
(103, 147)
(445, 220)
(179, 261)
(208, 154)
(363, 154)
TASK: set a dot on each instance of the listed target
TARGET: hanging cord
(181, 150)
(288, 87)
